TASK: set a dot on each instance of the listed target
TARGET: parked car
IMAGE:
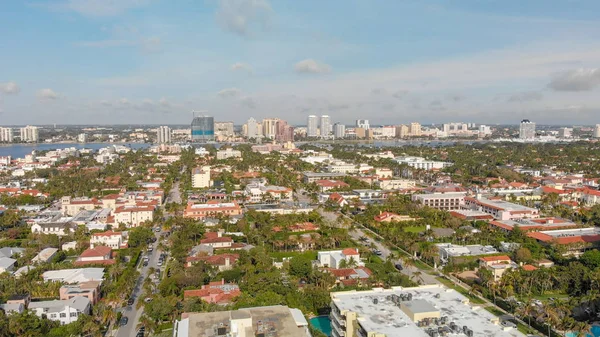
(124, 321)
(130, 301)
(398, 266)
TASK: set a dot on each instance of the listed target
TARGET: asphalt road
(133, 314)
(409, 271)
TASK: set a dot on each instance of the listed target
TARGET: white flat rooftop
(227, 204)
(387, 318)
(573, 232)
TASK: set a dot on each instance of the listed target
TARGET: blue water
(595, 332)
(322, 323)
(20, 150)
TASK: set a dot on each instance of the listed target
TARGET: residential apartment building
(442, 201)
(339, 130)
(417, 311)
(201, 177)
(312, 126)
(30, 134)
(228, 153)
(6, 135)
(163, 135)
(325, 126)
(422, 163)
(212, 209)
(224, 129)
(415, 129)
(133, 215)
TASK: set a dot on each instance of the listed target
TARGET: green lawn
(461, 290)
(415, 229)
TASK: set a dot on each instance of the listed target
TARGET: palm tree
(417, 276)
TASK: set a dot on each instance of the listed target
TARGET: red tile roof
(350, 251)
(98, 251)
(529, 267)
(495, 258)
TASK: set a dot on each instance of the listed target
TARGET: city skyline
(122, 62)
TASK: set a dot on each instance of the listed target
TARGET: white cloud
(243, 17)
(47, 94)
(124, 101)
(230, 93)
(9, 88)
(238, 66)
(576, 80)
(311, 66)
(95, 7)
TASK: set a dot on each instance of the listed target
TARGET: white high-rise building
(527, 129)
(484, 129)
(253, 129)
(339, 130)
(325, 126)
(312, 126)
(269, 126)
(30, 134)
(163, 135)
(6, 135)
(82, 138)
(362, 123)
(597, 131)
(565, 132)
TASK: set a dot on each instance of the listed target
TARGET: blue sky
(154, 61)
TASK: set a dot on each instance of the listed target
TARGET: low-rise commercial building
(500, 209)
(442, 201)
(274, 320)
(212, 209)
(422, 163)
(229, 153)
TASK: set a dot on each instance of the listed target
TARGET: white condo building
(312, 126)
(325, 126)
(339, 130)
(362, 123)
(163, 135)
(527, 129)
(597, 131)
(30, 134)
(269, 126)
(6, 135)
(253, 129)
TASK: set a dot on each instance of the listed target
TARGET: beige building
(396, 184)
(402, 131)
(415, 129)
(201, 177)
(133, 216)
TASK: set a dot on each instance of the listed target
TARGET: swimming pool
(595, 332)
(322, 323)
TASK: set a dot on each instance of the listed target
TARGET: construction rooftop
(271, 321)
(417, 311)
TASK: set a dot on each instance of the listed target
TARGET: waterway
(21, 150)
